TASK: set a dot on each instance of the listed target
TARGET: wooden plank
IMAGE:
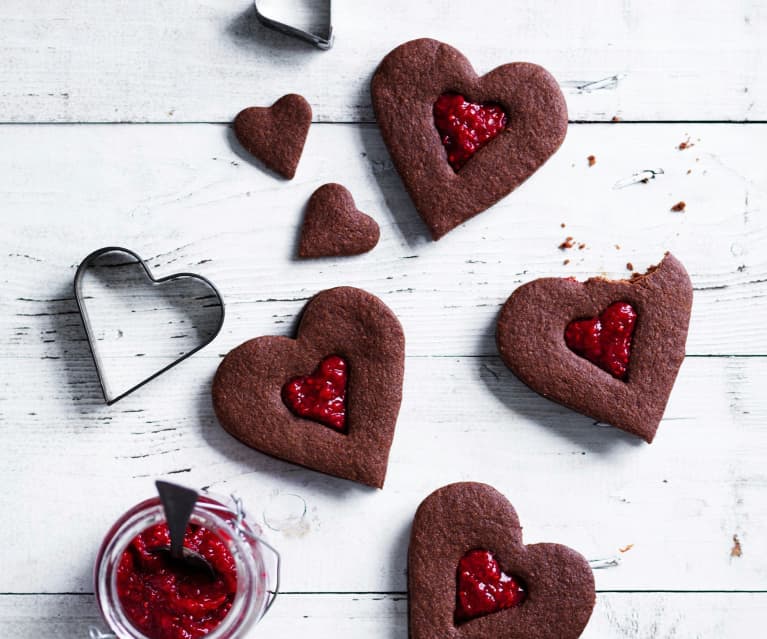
(187, 200)
(625, 615)
(679, 501)
(176, 61)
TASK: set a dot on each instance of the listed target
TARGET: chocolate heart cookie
(461, 142)
(471, 577)
(276, 134)
(327, 400)
(608, 349)
(333, 225)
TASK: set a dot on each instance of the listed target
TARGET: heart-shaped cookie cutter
(90, 261)
(320, 40)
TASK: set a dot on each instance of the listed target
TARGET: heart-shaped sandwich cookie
(276, 134)
(608, 349)
(327, 400)
(459, 141)
(470, 576)
(333, 225)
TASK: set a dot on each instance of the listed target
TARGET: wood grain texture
(185, 198)
(589, 486)
(624, 615)
(181, 61)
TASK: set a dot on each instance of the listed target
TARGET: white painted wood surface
(346, 616)
(180, 61)
(185, 197)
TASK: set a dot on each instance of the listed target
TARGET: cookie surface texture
(466, 516)
(333, 226)
(530, 335)
(405, 89)
(276, 134)
(346, 322)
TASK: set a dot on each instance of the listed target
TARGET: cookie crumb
(736, 550)
(617, 247)
(562, 225)
(592, 160)
(629, 266)
(679, 207)
(685, 145)
(581, 246)
(689, 171)
(566, 262)
(616, 118)
(626, 548)
(567, 244)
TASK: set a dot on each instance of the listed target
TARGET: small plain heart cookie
(276, 134)
(333, 226)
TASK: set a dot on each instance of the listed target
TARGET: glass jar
(257, 571)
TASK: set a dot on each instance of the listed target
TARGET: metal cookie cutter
(133, 260)
(320, 40)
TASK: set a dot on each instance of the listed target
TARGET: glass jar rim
(251, 599)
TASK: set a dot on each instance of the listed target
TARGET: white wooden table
(115, 131)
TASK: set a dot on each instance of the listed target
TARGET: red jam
(465, 127)
(483, 588)
(605, 340)
(164, 600)
(320, 396)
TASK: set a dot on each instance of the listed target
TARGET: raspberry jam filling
(483, 588)
(605, 340)
(165, 600)
(465, 127)
(320, 396)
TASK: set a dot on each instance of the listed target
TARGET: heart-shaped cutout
(532, 339)
(605, 340)
(483, 588)
(407, 88)
(139, 326)
(276, 134)
(320, 396)
(333, 226)
(465, 127)
(459, 519)
(351, 324)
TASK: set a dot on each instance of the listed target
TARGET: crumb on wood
(626, 548)
(679, 207)
(736, 550)
(567, 244)
(592, 160)
(629, 266)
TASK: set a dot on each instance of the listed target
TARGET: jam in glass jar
(144, 594)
